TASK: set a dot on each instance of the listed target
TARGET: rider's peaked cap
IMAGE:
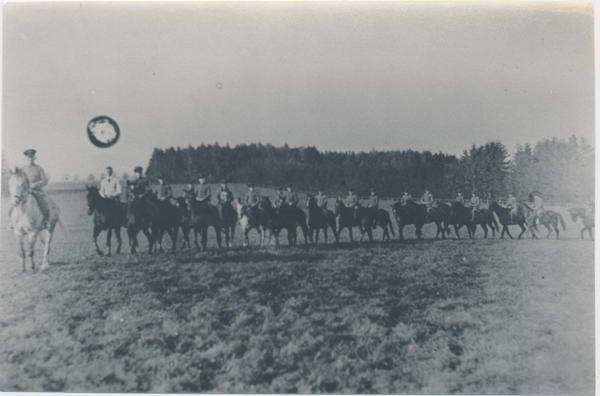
(289, 186)
(138, 169)
(427, 188)
(539, 194)
(223, 181)
(30, 153)
(160, 176)
(251, 185)
(200, 176)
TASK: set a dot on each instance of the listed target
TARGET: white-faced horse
(258, 220)
(27, 218)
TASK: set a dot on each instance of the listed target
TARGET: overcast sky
(338, 76)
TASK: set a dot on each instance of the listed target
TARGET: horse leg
(204, 238)
(22, 247)
(350, 231)
(485, 230)
(108, 238)
(132, 239)
(150, 237)
(456, 231)
(119, 240)
(218, 231)
(591, 235)
(30, 249)
(549, 228)
(523, 230)
(173, 234)
(97, 231)
(400, 233)
(246, 230)
(305, 233)
(46, 239)
(508, 232)
(370, 233)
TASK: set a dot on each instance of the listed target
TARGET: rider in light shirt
(110, 186)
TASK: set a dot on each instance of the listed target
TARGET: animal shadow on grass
(244, 257)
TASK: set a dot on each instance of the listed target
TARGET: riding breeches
(43, 204)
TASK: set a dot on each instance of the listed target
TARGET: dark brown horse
(369, 218)
(507, 220)
(109, 216)
(550, 220)
(319, 219)
(228, 222)
(185, 220)
(346, 218)
(461, 215)
(142, 215)
(588, 221)
(168, 220)
(203, 215)
(416, 214)
(289, 218)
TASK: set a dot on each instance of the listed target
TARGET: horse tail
(562, 222)
(63, 227)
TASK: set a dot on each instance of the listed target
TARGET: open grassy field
(477, 317)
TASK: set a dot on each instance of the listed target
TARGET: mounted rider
(351, 199)
(110, 186)
(225, 197)
(37, 180)
(373, 202)
(427, 199)
(279, 197)
(459, 198)
(511, 203)
(291, 197)
(252, 199)
(474, 204)
(163, 192)
(140, 186)
(321, 201)
(538, 204)
(203, 192)
(405, 199)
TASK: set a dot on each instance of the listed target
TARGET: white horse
(27, 218)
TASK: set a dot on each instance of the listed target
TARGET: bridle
(24, 192)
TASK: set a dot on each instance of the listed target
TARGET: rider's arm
(42, 182)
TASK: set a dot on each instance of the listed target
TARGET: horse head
(18, 186)
(576, 212)
(93, 197)
(310, 200)
(339, 204)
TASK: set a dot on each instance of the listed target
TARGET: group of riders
(110, 188)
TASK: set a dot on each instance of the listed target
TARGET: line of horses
(154, 218)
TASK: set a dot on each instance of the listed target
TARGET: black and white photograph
(382, 197)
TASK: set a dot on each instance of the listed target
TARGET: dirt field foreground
(477, 317)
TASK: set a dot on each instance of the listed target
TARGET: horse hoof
(100, 253)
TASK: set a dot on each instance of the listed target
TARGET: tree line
(563, 170)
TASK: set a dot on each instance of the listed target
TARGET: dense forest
(562, 170)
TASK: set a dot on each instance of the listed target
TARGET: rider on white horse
(37, 180)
